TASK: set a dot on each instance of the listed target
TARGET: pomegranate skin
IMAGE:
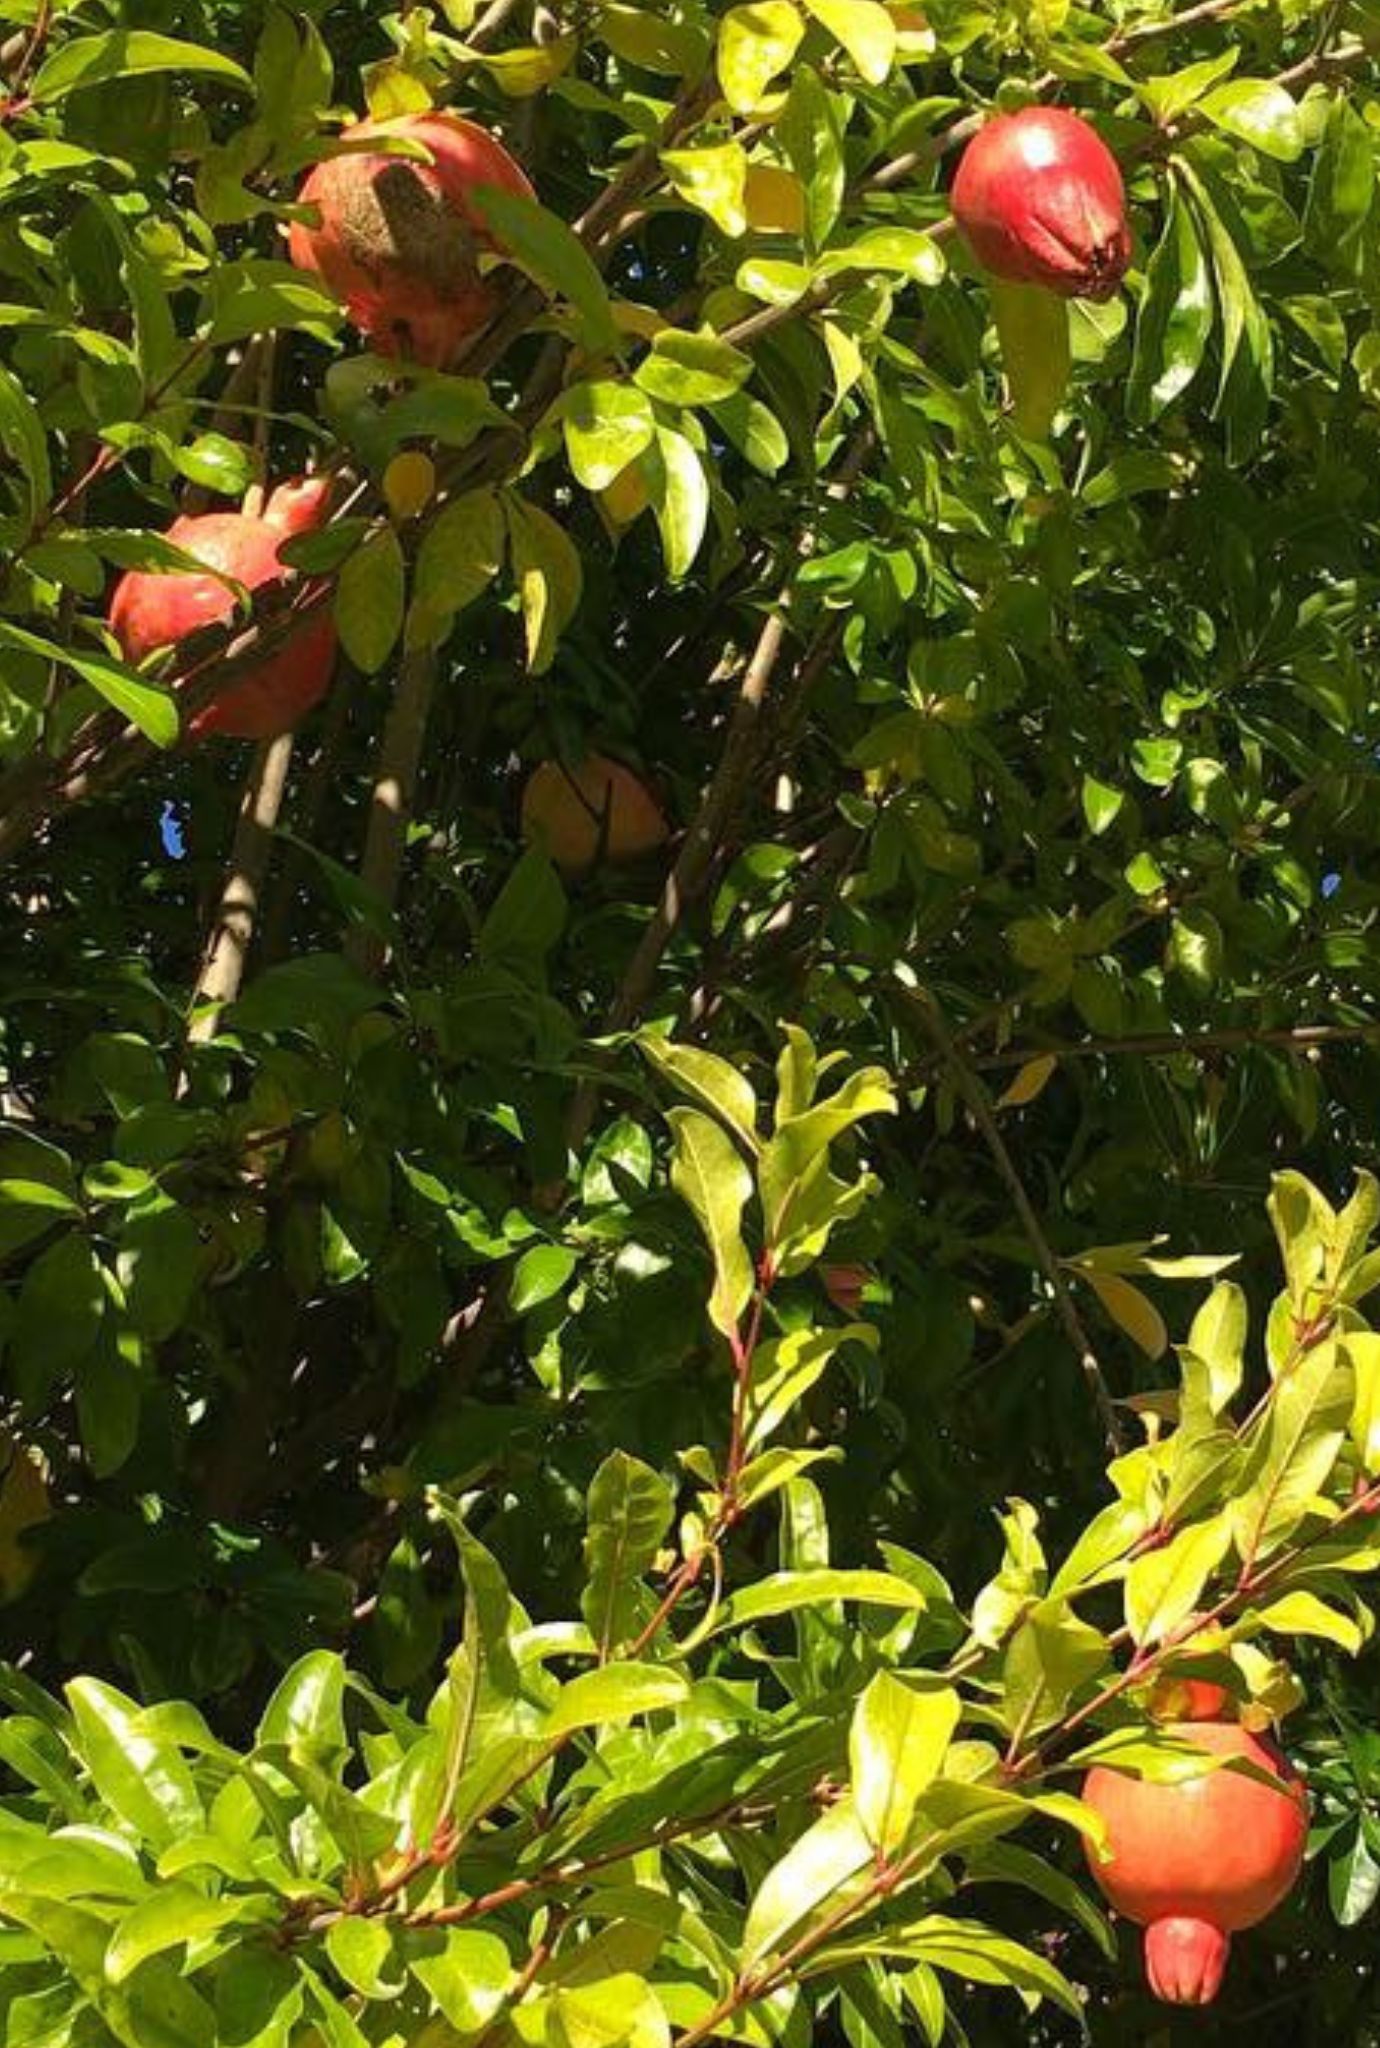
(152, 609)
(1038, 198)
(599, 807)
(1194, 1863)
(398, 238)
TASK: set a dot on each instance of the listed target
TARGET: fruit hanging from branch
(598, 809)
(152, 609)
(398, 238)
(1195, 1862)
(1039, 200)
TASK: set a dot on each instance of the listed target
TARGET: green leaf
(1033, 330)
(896, 1746)
(1218, 1337)
(616, 1692)
(1176, 318)
(550, 579)
(674, 49)
(713, 1082)
(1050, 1656)
(540, 243)
(462, 551)
(1361, 1348)
(1257, 111)
(173, 1916)
(785, 1369)
(756, 44)
(981, 1956)
(369, 600)
(1165, 1586)
(362, 1951)
(146, 1783)
(788, 1592)
(1341, 194)
(900, 252)
(540, 1273)
(830, 1860)
(680, 501)
(1353, 1880)
(466, 1974)
(1101, 804)
(306, 1713)
(1304, 1614)
(754, 430)
(25, 442)
(606, 427)
(1303, 1431)
(630, 1509)
(127, 53)
(691, 369)
(146, 705)
(798, 1151)
(708, 1172)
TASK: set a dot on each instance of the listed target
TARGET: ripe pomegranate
(599, 807)
(1039, 200)
(1193, 1863)
(398, 238)
(152, 609)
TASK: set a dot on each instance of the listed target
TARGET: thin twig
(1198, 1044)
(925, 1012)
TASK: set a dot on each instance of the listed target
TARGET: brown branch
(391, 807)
(925, 1012)
(1198, 1044)
(227, 947)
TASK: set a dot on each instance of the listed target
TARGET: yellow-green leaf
(369, 600)
(756, 43)
(1030, 1080)
(713, 180)
(865, 30)
(549, 578)
(1131, 1311)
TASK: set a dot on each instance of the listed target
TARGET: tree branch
(925, 1012)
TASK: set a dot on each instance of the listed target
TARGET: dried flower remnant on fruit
(1039, 199)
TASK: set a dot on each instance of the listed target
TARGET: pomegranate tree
(153, 609)
(1039, 200)
(1193, 1863)
(597, 808)
(398, 238)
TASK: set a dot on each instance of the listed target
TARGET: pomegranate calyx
(1185, 1959)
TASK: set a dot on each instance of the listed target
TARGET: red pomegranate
(399, 238)
(1039, 200)
(1193, 1863)
(152, 609)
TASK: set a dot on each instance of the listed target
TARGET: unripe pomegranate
(1193, 1863)
(600, 807)
(1039, 200)
(152, 609)
(398, 238)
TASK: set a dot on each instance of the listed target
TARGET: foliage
(470, 1267)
